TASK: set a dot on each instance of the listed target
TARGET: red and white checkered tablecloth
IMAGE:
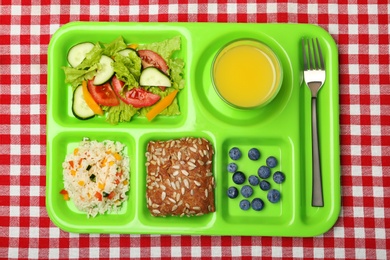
(362, 33)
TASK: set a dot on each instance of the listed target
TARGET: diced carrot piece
(111, 195)
(71, 164)
(98, 195)
(64, 194)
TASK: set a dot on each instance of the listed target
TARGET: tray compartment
(215, 107)
(279, 213)
(69, 35)
(173, 222)
(66, 212)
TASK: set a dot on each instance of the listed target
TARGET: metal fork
(314, 75)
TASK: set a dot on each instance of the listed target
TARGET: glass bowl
(246, 74)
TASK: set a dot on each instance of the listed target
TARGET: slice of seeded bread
(179, 177)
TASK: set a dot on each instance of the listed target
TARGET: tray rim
(336, 208)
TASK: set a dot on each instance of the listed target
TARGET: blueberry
(264, 185)
(253, 180)
(232, 192)
(232, 167)
(264, 172)
(238, 177)
(279, 177)
(273, 196)
(254, 154)
(271, 162)
(257, 204)
(246, 191)
(235, 153)
(245, 204)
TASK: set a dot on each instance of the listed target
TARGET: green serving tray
(282, 129)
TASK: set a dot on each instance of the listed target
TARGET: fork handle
(317, 198)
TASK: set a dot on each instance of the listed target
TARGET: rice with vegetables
(96, 176)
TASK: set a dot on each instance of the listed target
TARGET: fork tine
(305, 65)
(314, 55)
(310, 55)
(320, 55)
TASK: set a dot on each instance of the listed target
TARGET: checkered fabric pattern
(361, 30)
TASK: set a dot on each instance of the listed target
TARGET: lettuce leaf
(75, 77)
(86, 70)
(113, 47)
(121, 113)
(91, 58)
(165, 48)
(128, 69)
(176, 67)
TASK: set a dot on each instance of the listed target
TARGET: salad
(121, 80)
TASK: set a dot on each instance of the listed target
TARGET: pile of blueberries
(264, 172)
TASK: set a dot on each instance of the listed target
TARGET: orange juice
(247, 74)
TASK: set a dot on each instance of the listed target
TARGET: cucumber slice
(78, 52)
(126, 52)
(80, 108)
(105, 72)
(152, 76)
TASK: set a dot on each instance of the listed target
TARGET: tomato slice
(103, 94)
(151, 59)
(141, 98)
(137, 97)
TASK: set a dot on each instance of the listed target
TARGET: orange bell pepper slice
(90, 101)
(160, 106)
